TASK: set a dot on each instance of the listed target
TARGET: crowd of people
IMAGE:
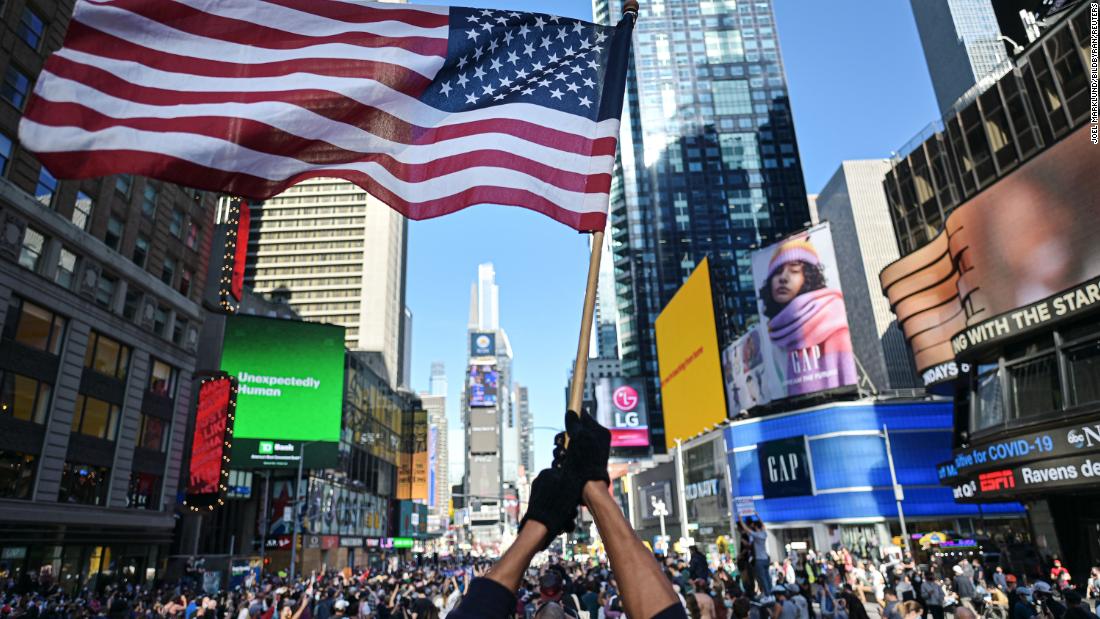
(630, 582)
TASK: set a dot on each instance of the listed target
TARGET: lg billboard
(620, 407)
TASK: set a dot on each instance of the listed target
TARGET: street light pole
(680, 496)
(899, 492)
(297, 510)
(661, 510)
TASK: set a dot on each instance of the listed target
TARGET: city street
(611, 309)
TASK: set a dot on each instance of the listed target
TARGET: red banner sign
(208, 441)
(240, 255)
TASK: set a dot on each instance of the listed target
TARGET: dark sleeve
(487, 599)
(676, 611)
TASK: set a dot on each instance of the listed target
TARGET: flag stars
(487, 26)
(445, 88)
(528, 50)
(556, 94)
(495, 65)
(501, 20)
(479, 73)
(540, 23)
(472, 34)
(524, 31)
(487, 89)
(562, 33)
(577, 70)
(572, 87)
(589, 83)
(513, 57)
(578, 28)
(462, 79)
(471, 99)
(545, 43)
(585, 102)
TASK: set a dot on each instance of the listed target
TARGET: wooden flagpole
(580, 367)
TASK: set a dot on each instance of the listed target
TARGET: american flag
(430, 109)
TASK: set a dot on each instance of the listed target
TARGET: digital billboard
(743, 372)
(483, 344)
(290, 377)
(968, 284)
(240, 249)
(207, 472)
(481, 386)
(804, 338)
(687, 356)
(621, 408)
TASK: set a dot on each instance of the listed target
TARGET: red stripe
(78, 165)
(182, 17)
(363, 14)
(336, 107)
(86, 39)
(264, 138)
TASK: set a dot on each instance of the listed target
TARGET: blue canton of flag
(496, 57)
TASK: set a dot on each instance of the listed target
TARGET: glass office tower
(708, 165)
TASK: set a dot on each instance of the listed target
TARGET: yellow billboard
(692, 392)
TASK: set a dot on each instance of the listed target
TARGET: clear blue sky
(860, 89)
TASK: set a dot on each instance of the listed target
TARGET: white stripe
(157, 36)
(308, 24)
(367, 92)
(222, 155)
(423, 8)
(306, 124)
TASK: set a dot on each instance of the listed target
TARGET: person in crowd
(1076, 608)
(758, 536)
(910, 609)
(698, 568)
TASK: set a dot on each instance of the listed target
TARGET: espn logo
(997, 480)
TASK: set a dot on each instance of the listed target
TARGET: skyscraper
(709, 165)
(854, 204)
(336, 255)
(439, 485)
(489, 410)
(437, 382)
(960, 44)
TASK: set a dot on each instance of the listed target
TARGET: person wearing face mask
(807, 320)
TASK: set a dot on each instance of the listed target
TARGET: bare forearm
(511, 567)
(645, 590)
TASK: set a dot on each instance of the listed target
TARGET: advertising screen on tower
(481, 386)
(968, 288)
(687, 355)
(620, 407)
(483, 344)
(291, 387)
(803, 344)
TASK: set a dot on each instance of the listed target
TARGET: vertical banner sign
(420, 456)
(208, 473)
(433, 455)
(240, 250)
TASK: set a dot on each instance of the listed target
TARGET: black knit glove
(553, 502)
(589, 448)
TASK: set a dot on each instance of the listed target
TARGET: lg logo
(625, 398)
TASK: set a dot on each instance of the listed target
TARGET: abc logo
(482, 341)
(625, 398)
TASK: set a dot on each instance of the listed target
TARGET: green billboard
(290, 395)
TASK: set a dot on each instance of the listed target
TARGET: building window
(168, 271)
(185, 282)
(46, 188)
(94, 417)
(193, 235)
(107, 356)
(154, 433)
(149, 201)
(113, 238)
(66, 268)
(176, 225)
(16, 474)
(124, 183)
(105, 290)
(82, 210)
(162, 380)
(179, 331)
(1034, 387)
(160, 320)
(1083, 371)
(141, 251)
(24, 397)
(732, 97)
(131, 303)
(84, 484)
(34, 326)
(15, 87)
(31, 28)
(143, 492)
(5, 153)
(989, 406)
(30, 255)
